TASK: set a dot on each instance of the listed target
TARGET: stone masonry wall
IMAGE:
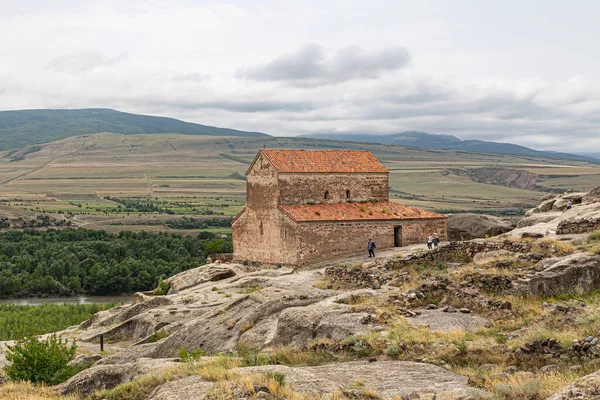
(304, 188)
(417, 230)
(328, 240)
(262, 232)
(583, 225)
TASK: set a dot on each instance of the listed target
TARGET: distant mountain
(594, 155)
(26, 127)
(449, 142)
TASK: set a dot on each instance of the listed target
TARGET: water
(33, 301)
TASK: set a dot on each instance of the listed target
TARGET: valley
(148, 182)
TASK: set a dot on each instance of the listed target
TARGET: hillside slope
(449, 142)
(26, 127)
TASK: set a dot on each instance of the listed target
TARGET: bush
(184, 355)
(252, 356)
(393, 351)
(158, 335)
(276, 377)
(40, 361)
(594, 236)
(162, 289)
(462, 346)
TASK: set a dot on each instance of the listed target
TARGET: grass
(26, 391)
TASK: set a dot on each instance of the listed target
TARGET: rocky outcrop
(448, 321)
(552, 217)
(586, 388)
(197, 276)
(100, 377)
(392, 379)
(474, 226)
(574, 274)
(190, 387)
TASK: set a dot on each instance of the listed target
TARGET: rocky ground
(509, 317)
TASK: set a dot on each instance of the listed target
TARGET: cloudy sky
(520, 71)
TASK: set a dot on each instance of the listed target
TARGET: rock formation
(473, 226)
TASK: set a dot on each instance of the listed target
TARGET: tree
(40, 361)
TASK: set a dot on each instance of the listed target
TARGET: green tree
(40, 361)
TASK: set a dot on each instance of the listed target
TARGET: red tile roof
(379, 211)
(324, 161)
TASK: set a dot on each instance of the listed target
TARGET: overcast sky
(521, 71)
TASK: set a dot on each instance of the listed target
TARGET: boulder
(100, 377)
(196, 276)
(83, 360)
(190, 387)
(586, 388)
(446, 321)
(390, 379)
(593, 196)
(473, 226)
(574, 274)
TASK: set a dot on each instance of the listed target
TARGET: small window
(285, 233)
(347, 194)
(326, 196)
(260, 227)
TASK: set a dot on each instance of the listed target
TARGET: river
(33, 301)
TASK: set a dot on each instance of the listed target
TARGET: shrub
(40, 361)
(197, 354)
(250, 289)
(184, 355)
(251, 355)
(392, 351)
(275, 376)
(594, 236)
(158, 335)
(162, 289)
(462, 346)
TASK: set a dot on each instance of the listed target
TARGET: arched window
(347, 194)
(326, 196)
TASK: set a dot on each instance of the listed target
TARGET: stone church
(305, 206)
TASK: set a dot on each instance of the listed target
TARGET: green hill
(26, 127)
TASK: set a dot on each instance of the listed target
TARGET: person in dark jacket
(436, 241)
(371, 246)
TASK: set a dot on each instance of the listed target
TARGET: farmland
(142, 182)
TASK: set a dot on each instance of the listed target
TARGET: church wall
(311, 187)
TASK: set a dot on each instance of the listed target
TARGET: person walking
(436, 241)
(371, 246)
(429, 242)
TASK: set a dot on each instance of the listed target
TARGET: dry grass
(27, 391)
(539, 387)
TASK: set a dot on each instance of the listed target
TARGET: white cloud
(83, 61)
(299, 67)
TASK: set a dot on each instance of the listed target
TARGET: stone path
(394, 252)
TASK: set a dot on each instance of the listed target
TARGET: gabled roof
(323, 161)
(378, 211)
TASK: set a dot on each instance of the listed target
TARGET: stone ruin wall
(305, 188)
(578, 226)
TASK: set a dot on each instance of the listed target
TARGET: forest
(17, 321)
(74, 261)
